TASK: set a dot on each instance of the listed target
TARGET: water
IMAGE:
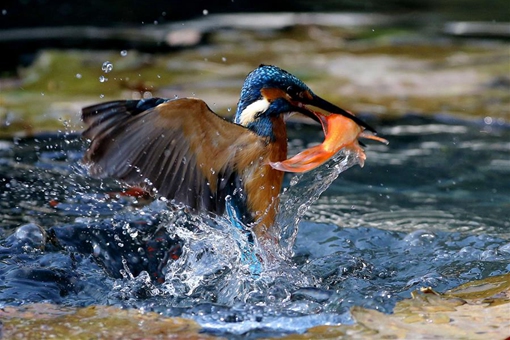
(429, 210)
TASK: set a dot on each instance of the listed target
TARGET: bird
(181, 150)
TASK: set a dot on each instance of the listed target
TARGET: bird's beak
(341, 130)
(318, 102)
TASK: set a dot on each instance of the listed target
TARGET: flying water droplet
(295, 180)
(302, 209)
(123, 53)
(103, 79)
(107, 67)
(205, 12)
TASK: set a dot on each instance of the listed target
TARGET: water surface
(429, 210)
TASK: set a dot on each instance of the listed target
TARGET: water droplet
(224, 59)
(107, 67)
(123, 53)
(96, 249)
(4, 12)
(205, 12)
(78, 75)
(302, 209)
(102, 79)
(294, 180)
(229, 109)
(101, 96)
(42, 94)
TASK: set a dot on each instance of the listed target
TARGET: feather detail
(261, 181)
(179, 149)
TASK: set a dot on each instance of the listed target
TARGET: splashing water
(304, 190)
(411, 218)
(213, 266)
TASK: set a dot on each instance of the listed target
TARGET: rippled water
(429, 210)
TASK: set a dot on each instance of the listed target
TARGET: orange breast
(262, 183)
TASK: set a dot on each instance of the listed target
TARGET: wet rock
(41, 321)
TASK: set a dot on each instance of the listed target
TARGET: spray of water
(303, 191)
(212, 268)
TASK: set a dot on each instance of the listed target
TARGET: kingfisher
(181, 150)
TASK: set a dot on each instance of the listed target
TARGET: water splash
(217, 260)
(304, 190)
(410, 219)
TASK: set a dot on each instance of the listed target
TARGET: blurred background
(383, 58)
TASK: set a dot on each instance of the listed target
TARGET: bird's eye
(293, 92)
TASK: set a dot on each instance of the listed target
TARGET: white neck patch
(249, 113)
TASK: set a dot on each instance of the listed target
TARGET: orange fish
(340, 133)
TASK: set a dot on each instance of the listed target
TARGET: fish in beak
(341, 131)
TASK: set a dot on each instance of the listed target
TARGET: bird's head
(269, 92)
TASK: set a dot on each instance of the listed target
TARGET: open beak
(341, 130)
(322, 104)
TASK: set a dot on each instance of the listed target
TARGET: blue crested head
(266, 93)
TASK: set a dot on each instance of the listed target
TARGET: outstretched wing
(179, 148)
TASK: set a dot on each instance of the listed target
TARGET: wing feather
(179, 148)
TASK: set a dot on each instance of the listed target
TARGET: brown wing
(179, 148)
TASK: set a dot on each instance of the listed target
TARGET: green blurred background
(385, 58)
